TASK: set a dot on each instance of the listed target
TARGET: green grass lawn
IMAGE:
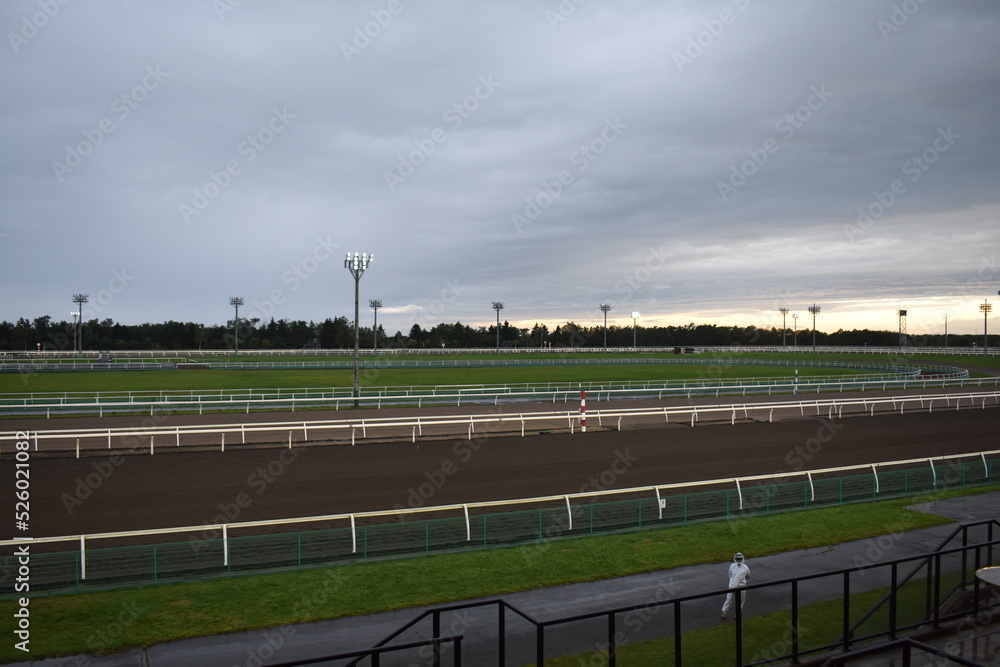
(302, 378)
(68, 624)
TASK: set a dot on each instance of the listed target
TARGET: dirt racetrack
(102, 493)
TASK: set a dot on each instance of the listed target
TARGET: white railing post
(569, 512)
(739, 491)
(468, 526)
(354, 537)
(83, 557)
(933, 472)
(225, 546)
(875, 473)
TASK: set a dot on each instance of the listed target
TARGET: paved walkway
(253, 649)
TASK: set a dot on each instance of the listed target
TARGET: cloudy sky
(695, 162)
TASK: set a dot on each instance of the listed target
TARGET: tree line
(338, 333)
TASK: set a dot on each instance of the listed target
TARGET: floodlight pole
(375, 305)
(498, 306)
(605, 307)
(236, 302)
(986, 307)
(795, 330)
(79, 300)
(814, 309)
(635, 316)
(784, 327)
(357, 264)
(902, 327)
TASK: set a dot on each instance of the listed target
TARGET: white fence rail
(327, 430)
(737, 483)
(292, 400)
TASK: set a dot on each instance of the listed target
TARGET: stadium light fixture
(605, 307)
(784, 327)
(986, 307)
(635, 316)
(375, 305)
(236, 302)
(498, 306)
(357, 265)
(814, 309)
(79, 300)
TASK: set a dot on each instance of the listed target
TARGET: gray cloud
(690, 160)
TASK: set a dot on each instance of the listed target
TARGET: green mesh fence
(204, 557)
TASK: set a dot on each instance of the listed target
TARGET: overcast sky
(695, 162)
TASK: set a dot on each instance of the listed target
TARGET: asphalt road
(104, 492)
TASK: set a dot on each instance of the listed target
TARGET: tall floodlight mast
(814, 309)
(605, 307)
(357, 265)
(784, 327)
(986, 307)
(236, 302)
(498, 306)
(79, 300)
(375, 304)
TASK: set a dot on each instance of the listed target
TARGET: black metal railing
(605, 632)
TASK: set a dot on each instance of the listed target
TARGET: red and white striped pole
(583, 411)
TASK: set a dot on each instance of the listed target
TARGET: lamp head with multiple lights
(358, 262)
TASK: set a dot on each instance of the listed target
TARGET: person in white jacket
(739, 575)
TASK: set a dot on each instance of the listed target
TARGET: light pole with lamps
(79, 300)
(986, 307)
(814, 309)
(795, 329)
(357, 264)
(498, 306)
(784, 327)
(236, 302)
(946, 329)
(635, 316)
(605, 307)
(375, 305)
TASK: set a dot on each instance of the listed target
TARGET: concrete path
(303, 641)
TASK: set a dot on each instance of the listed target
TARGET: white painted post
(243, 431)
(289, 439)
(83, 557)
(223, 441)
(812, 489)
(875, 473)
(78, 448)
(468, 526)
(739, 491)
(933, 471)
(354, 537)
(225, 546)
(569, 512)
(151, 444)
(659, 501)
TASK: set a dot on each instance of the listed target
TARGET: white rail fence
(327, 430)
(260, 400)
(656, 491)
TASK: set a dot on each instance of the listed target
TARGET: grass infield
(116, 620)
